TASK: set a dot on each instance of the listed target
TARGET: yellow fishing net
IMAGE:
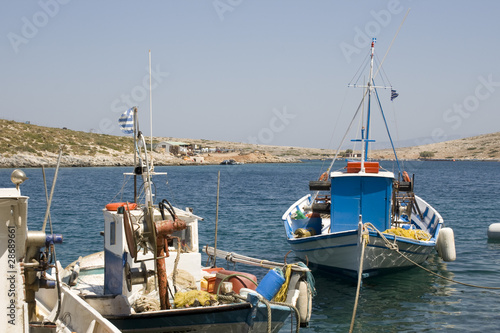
(411, 233)
(194, 298)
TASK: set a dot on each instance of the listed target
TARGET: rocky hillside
(482, 147)
(26, 145)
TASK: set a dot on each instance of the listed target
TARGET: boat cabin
(355, 193)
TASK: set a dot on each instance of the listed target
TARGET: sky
(272, 72)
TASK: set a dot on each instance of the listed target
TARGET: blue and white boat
(149, 278)
(363, 220)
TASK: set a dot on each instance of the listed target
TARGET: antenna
(393, 39)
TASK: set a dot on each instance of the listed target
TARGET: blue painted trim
(288, 229)
(433, 219)
(113, 276)
(426, 211)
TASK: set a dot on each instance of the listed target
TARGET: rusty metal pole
(163, 229)
(162, 272)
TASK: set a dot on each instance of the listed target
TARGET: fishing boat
(34, 300)
(149, 278)
(363, 220)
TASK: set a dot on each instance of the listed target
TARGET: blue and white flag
(394, 94)
(126, 121)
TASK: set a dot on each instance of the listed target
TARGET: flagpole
(150, 104)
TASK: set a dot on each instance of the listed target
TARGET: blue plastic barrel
(270, 284)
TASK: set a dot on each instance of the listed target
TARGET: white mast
(150, 104)
(365, 138)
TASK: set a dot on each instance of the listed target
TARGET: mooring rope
(295, 310)
(394, 246)
(364, 241)
(232, 298)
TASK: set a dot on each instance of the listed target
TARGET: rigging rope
(383, 72)
(335, 127)
(361, 69)
(387, 128)
(342, 141)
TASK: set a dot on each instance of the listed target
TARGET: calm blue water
(252, 200)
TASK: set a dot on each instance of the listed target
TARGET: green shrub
(426, 154)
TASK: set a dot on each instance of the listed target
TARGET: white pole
(150, 104)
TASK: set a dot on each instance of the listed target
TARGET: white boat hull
(340, 252)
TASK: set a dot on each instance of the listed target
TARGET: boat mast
(370, 90)
(150, 105)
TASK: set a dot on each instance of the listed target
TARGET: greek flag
(126, 121)
(394, 94)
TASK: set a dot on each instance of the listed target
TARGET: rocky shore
(28, 145)
(26, 160)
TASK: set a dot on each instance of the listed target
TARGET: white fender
(304, 304)
(445, 245)
(494, 231)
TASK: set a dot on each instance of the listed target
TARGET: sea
(253, 198)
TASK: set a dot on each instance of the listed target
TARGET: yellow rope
(281, 295)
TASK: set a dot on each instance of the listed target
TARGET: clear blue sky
(271, 72)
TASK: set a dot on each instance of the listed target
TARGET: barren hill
(481, 147)
(27, 145)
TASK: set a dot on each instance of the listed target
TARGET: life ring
(324, 176)
(114, 206)
(406, 178)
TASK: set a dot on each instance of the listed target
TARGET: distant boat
(230, 162)
(363, 220)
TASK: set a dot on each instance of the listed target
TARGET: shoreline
(24, 160)
(69, 161)
(35, 146)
